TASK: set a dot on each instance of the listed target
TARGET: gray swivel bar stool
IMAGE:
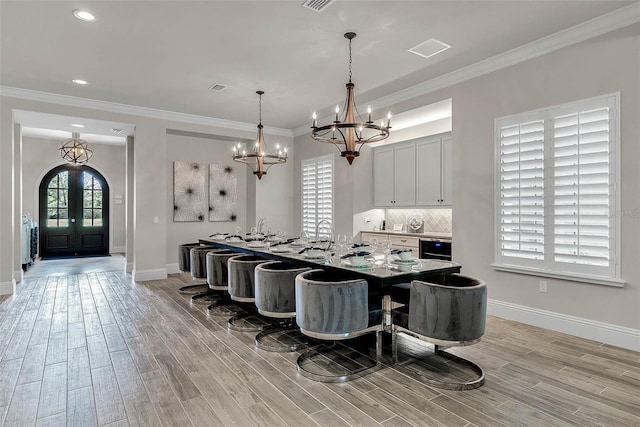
(450, 312)
(241, 284)
(218, 280)
(275, 298)
(333, 307)
(184, 265)
(198, 258)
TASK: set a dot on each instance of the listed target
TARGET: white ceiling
(166, 54)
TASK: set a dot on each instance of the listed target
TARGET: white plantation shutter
(556, 194)
(317, 193)
(522, 191)
(583, 189)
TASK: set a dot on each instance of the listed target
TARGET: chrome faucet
(325, 221)
(260, 224)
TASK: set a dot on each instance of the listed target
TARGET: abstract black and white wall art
(189, 196)
(223, 197)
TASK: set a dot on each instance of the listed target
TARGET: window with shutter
(317, 194)
(556, 199)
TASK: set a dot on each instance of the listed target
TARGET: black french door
(74, 212)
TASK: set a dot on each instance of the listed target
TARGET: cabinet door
(447, 175)
(405, 175)
(383, 176)
(428, 172)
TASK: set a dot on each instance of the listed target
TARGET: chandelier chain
(350, 60)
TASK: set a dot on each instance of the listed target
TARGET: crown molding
(113, 107)
(578, 33)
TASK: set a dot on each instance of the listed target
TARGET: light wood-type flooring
(85, 348)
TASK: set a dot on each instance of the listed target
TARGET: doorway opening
(74, 212)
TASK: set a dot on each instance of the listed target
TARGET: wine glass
(386, 245)
(341, 242)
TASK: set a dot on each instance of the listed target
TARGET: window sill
(574, 277)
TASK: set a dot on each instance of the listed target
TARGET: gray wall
(40, 155)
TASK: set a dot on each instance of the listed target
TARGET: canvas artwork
(189, 197)
(223, 199)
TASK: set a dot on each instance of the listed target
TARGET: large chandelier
(75, 150)
(348, 134)
(260, 159)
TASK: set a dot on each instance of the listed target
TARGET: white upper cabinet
(404, 176)
(394, 175)
(383, 176)
(413, 173)
(433, 155)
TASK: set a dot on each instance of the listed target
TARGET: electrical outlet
(367, 220)
(542, 286)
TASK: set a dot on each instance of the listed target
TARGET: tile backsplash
(435, 220)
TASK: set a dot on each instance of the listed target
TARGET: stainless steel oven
(435, 249)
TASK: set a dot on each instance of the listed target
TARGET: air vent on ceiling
(217, 87)
(317, 5)
(429, 48)
(117, 131)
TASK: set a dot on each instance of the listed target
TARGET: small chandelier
(348, 134)
(75, 150)
(260, 159)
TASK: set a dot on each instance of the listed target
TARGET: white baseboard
(118, 249)
(152, 274)
(619, 336)
(128, 268)
(8, 288)
(18, 275)
(173, 268)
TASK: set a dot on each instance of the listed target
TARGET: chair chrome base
(224, 307)
(470, 384)
(247, 322)
(339, 363)
(193, 289)
(281, 338)
(206, 298)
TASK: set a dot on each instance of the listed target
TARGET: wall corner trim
(18, 276)
(8, 287)
(619, 336)
(128, 268)
(151, 274)
(173, 268)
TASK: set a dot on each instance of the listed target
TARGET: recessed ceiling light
(75, 125)
(84, 15)
(80, 82)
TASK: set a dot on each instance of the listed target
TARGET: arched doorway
(74, 212)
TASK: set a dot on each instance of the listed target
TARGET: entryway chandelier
(348, 134)
(75, 150)
(260, 159)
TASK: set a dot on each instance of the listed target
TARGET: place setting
(402, 260)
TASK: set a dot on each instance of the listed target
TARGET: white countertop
(425, 235)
